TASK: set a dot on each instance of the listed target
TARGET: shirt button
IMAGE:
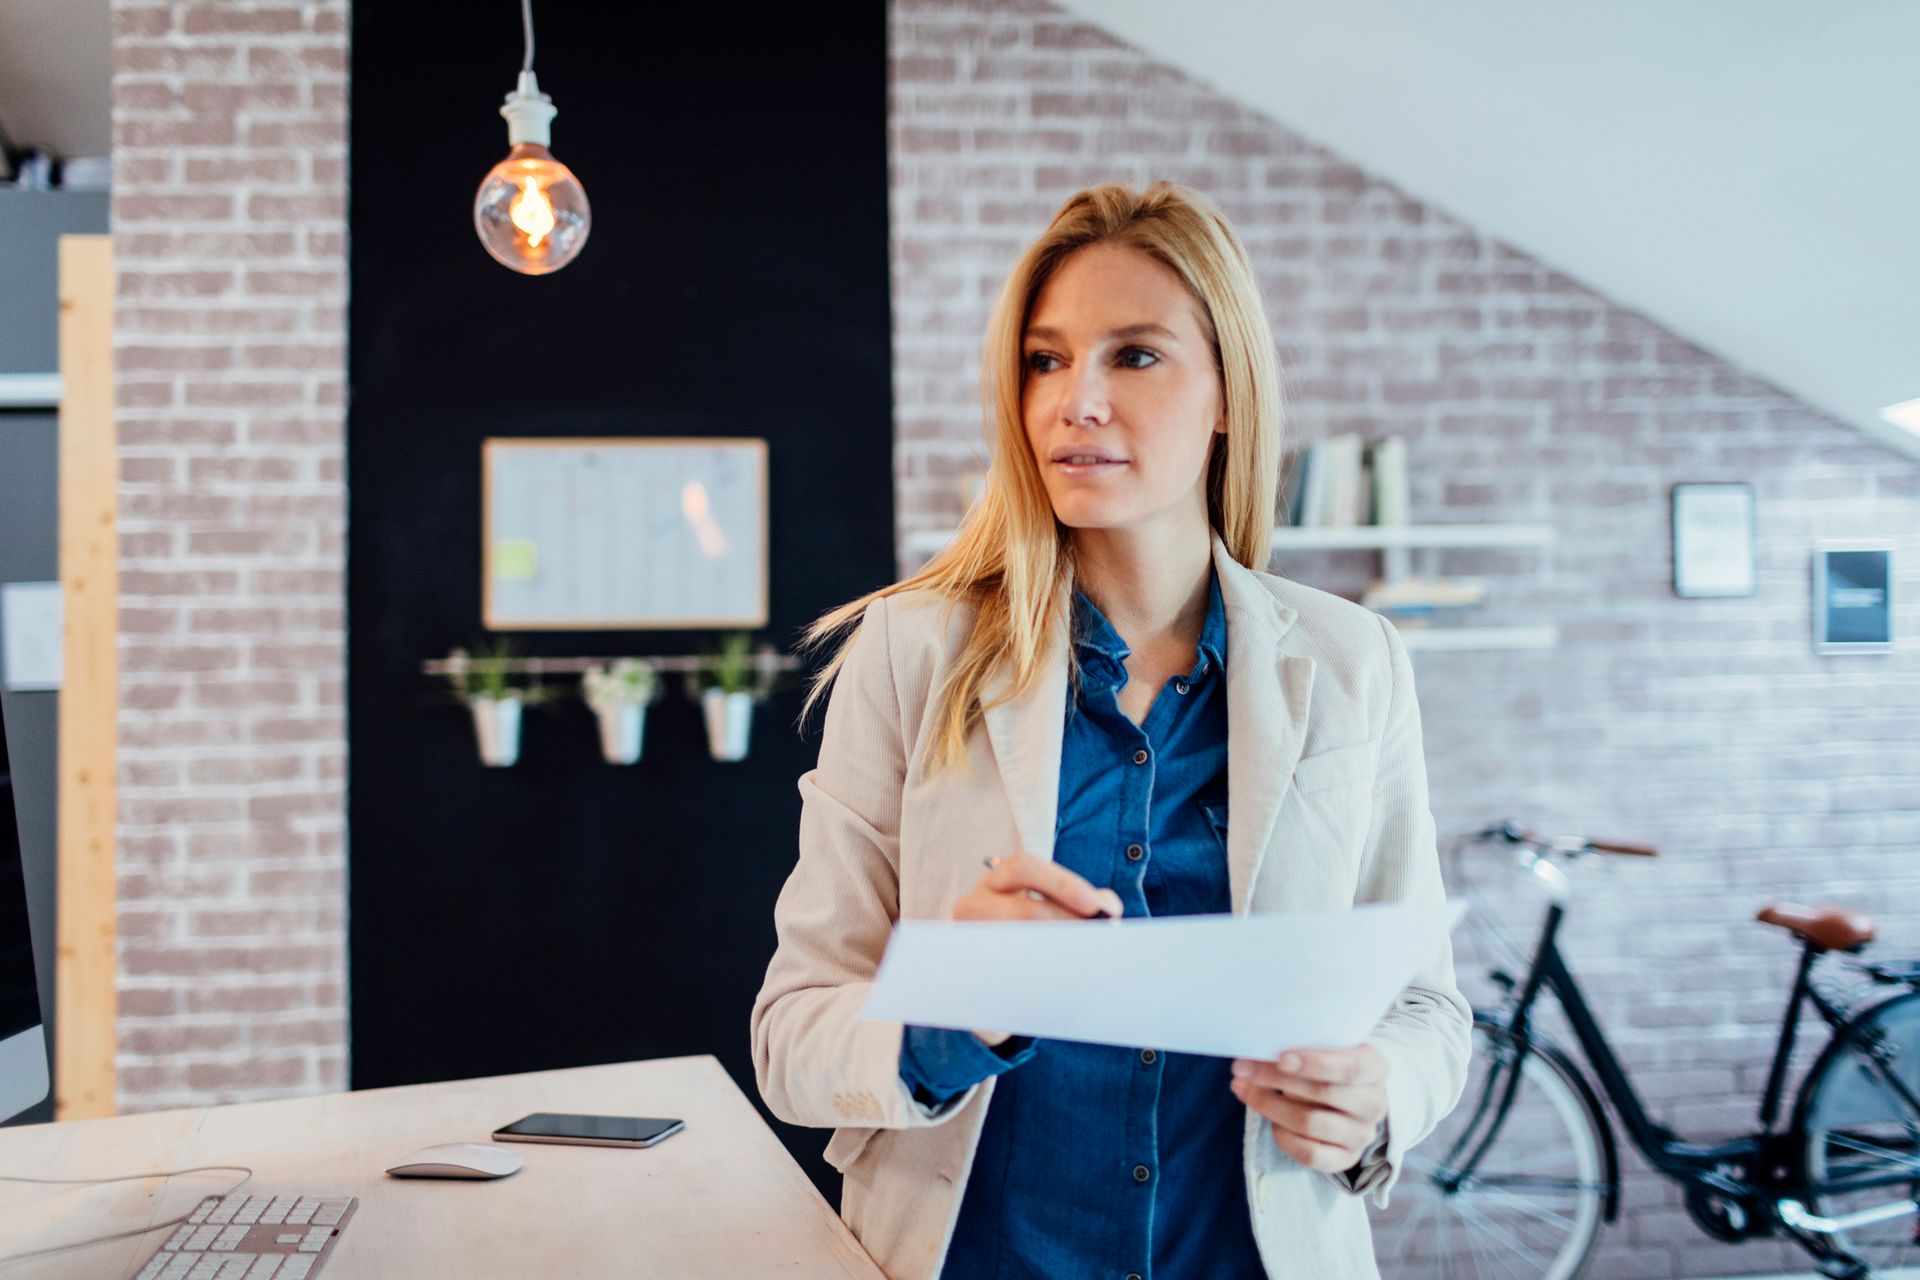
(1133, 1275)
(1141, 1173)
(1135, 853)
(1181, 685)
(1147, 1056)
(1140, 756)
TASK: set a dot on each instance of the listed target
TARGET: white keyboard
(252, 1237)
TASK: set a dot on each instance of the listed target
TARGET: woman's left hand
(1326, 1105)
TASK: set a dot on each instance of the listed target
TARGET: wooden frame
(86, 998)
(492, 615)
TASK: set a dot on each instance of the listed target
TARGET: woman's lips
(1088, 468)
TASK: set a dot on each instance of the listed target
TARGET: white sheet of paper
(31, 644)
(1232, 986)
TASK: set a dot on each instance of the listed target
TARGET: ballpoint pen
(1038, 896)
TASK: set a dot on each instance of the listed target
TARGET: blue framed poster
(1852, 597)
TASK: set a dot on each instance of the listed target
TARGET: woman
(1103, 616)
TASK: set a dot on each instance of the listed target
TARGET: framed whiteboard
(623, 534)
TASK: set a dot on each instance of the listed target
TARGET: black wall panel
(562, 911)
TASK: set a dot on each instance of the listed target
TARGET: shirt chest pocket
(1216, 814)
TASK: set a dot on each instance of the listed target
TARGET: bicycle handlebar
(1624, 847)
(1573, 846)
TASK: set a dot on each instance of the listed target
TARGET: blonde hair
(1011, 557)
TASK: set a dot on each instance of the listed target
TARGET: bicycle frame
(1743, 1168)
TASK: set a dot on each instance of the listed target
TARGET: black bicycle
(1519, 1177)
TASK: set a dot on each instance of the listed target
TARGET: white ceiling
(1745, 173)
(56, 63)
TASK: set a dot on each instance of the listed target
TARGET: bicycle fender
(1834, 1048)
(1609, 1154)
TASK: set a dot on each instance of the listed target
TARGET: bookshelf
(1396, 544)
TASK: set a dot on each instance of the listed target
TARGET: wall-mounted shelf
(1395, 537)
(1431, 638)
(1396, 543)
(763, 662)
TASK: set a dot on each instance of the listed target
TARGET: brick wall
(1707, 727)
(229, 202)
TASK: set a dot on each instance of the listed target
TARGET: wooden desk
(722, 1198)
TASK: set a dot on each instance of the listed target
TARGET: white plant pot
(496, 726)
(729, 716)
(622, 730)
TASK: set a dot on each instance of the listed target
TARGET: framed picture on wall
(1852, 597)
(1713, 538)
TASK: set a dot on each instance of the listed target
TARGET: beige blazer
(1327, 787)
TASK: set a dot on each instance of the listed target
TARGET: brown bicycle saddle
(1829, 928)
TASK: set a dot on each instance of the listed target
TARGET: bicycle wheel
(1858, 1115)
(1531, 1206)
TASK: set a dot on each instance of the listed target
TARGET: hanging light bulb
(531, 212)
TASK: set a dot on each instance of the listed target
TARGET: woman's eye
(1036, 361)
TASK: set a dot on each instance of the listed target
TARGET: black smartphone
(589, 1131)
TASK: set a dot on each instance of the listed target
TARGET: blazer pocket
(1329, 768)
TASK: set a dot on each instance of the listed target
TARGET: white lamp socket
(529, 113)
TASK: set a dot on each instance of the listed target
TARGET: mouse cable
(125, 1177)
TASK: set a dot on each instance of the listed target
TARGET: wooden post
(86, 971)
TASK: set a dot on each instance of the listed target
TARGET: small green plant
(735, 667)
(628, 681)
(488, 675)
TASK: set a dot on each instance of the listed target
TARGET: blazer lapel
(1267, 698)
(1027, 733)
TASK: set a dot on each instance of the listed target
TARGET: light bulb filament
(532, 212)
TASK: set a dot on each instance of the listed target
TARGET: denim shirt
(1101, 1160)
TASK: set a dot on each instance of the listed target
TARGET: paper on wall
(32, 638)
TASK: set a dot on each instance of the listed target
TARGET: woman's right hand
(1006, 892)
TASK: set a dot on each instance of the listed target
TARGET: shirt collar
(1103, 651)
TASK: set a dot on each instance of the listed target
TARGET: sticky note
(513, 559)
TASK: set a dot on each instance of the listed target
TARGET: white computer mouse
(458, 1160)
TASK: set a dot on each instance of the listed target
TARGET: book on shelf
(1340, 482)
(1390, 495)
(1343, 476)
(1300, 483)
(1430, 603)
